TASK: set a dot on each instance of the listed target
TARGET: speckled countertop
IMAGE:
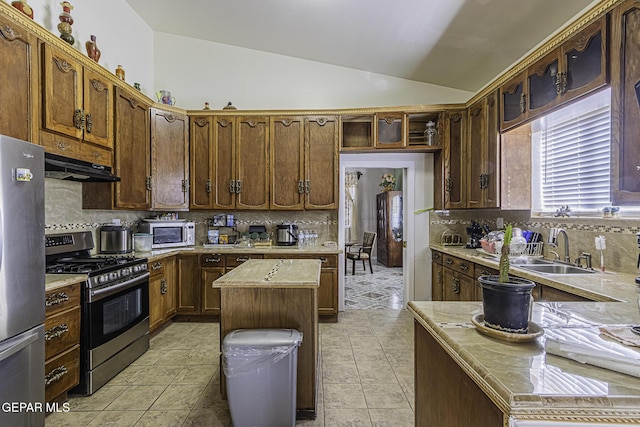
(54, 281)
(273, 273)
(609, 286)
(524, 381)
(57, 280)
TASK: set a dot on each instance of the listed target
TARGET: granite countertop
(609, 286)
(58, 280)
(524, 381)
(273, 273)
(232, 249)
(54, 281)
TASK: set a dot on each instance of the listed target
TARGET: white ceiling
(461, 44)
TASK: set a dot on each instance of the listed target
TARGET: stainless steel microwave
(169, 233)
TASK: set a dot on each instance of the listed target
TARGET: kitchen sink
(529, 261)
(553, 268)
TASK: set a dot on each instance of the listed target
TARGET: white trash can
(260, 366)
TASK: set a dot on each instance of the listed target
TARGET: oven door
(112, 311)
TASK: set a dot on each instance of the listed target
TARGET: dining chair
(363, 252)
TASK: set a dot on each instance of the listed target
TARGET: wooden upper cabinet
(576, 67)
(252, 163)
(132, 151)
(625, 103)
(356, 132)
(389, 130)
(18, 104)
(224, 167)
(483, 153)
(287, 163)
(98, 109)
(513, 105)
(321, 162)
(201, 162)
(169, 160)
(454, 164)
(584, 60)
(77, 102)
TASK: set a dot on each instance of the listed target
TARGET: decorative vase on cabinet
(92, 49)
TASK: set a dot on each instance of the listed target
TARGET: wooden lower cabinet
(62, 341)
(197, 272)
(162, 291)
(188, 284)
(328, 290)
(458, 280)
(436, 276)
(445, 396)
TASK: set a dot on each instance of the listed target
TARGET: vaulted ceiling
(461, 44)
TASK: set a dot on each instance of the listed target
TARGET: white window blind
(575, 156)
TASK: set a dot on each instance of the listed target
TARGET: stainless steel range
(115, 306)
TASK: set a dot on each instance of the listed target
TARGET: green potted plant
(506, 299)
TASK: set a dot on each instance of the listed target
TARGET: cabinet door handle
(207, 186)
(232, 186)
(455, 286)
(238, 186)
(207, 260)
(56, 332)
(61, 145)
(156, 265)
(307, 186)
(243, 258)
(163, 286)
(88, 123)
(55, 375)
(78, 119)
(448, 186)
(464, 267)
(324, 260)
(448, 261)
(57, 298)
(185, 185)
(300, 187)
(435, 256)
(523, 103)
(149, 183)
(561, 83)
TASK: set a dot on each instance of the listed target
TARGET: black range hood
(60, 167)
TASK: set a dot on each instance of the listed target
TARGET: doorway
(376, 282)
(417, 173)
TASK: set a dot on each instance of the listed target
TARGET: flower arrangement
(388, 182)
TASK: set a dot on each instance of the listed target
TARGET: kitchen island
(464, 378)
(277, 293)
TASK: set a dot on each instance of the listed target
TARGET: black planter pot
(506, 305)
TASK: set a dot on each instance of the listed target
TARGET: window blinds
(575, 158)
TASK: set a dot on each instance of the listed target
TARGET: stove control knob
(113, 275)
(126, 271)
(103, 278)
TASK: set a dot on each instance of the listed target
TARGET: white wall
(122, 36)
(196, 71)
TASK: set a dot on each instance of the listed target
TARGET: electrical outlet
(499, 223)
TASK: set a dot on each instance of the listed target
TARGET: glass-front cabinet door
(584, 60)
(390, 130)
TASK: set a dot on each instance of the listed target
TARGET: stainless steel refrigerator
(22, 283)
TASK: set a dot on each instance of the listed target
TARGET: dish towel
(591, 349)
(622, 335)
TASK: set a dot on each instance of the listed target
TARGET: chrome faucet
(553, 241)
(586, 256)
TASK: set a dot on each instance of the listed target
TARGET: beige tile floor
(366, 378)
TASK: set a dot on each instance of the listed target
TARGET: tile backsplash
(621, 253)
(63, 212)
